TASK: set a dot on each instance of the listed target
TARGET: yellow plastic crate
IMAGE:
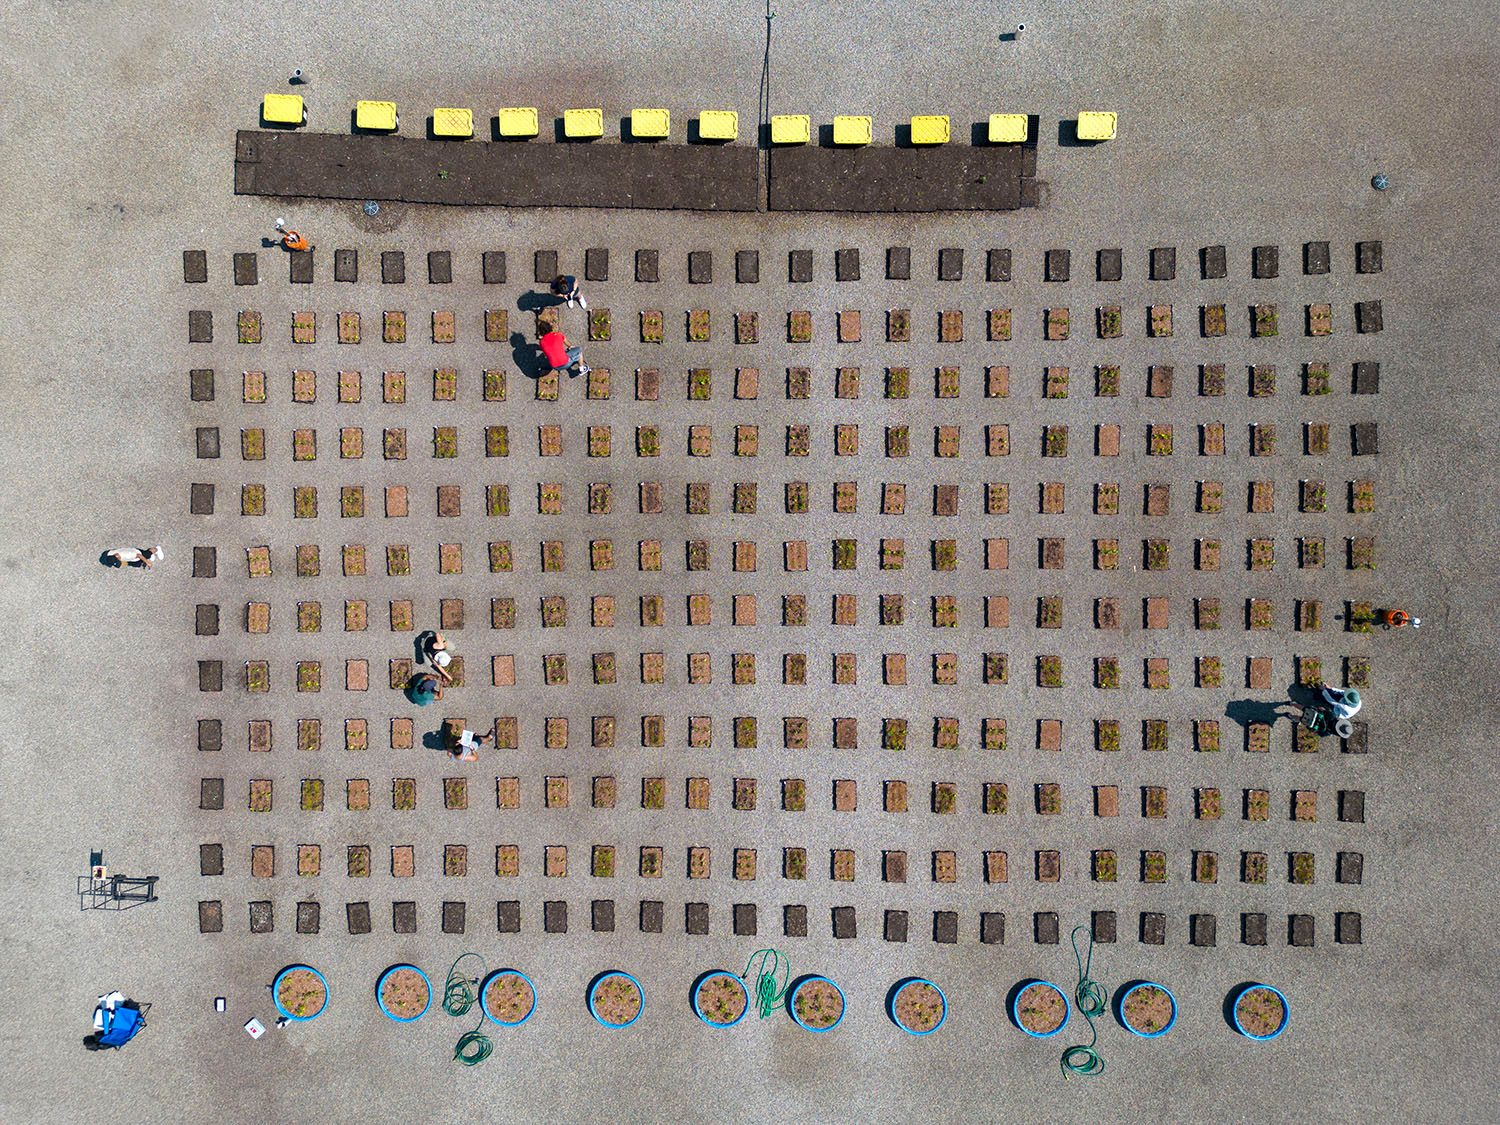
(852, 131)
(283, 109)
(583, 124)
(518, 121)
(929, 130)
(376, 115)
(718, 125)
(791, 129)
(1096, 126)
(1008, 128)
(650, 124)
(451, 122)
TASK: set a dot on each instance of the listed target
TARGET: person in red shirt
(555, 348)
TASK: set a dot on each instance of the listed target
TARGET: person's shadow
(528, 357)
(419, 646)
(532, 301)
(1247, 711)
(433, 740)
(1302, 695)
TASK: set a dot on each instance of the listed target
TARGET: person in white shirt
(437, 652)
(135, 556)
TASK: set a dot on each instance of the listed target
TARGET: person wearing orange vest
(555, 348)
(290, 238)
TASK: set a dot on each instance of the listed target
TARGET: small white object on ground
(219, 1003)
(255, 1028)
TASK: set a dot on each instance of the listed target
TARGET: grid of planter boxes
(978, 438)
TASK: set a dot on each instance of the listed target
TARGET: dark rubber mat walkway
(339, 166)
(947, 178)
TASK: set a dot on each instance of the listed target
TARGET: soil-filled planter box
(508, 997)
(720, 999)
(816, 1004)
(300, 992)
(404, 993)
(918, 1006)
(1148, 1009)
(616, 999)
(1040, 1009)
(1261, 1012)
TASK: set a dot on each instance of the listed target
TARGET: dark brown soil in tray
(1147, 1009)
(818, 1004)
(509, 998)
(1259, 1010)
(302, 993)
(617, 1000)
(1041, 1008)
(919, 1006)
(722, 998)
(405, 993)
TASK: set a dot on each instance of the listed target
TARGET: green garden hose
(460, 993)
(769, 991)
(481, 1044)
(1092, 1000)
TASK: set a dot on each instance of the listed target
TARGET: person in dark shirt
(567, 287)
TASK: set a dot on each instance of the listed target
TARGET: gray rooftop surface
(1258, 126)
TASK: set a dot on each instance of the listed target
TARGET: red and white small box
(255, 1028)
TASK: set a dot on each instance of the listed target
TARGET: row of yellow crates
(521, 122)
